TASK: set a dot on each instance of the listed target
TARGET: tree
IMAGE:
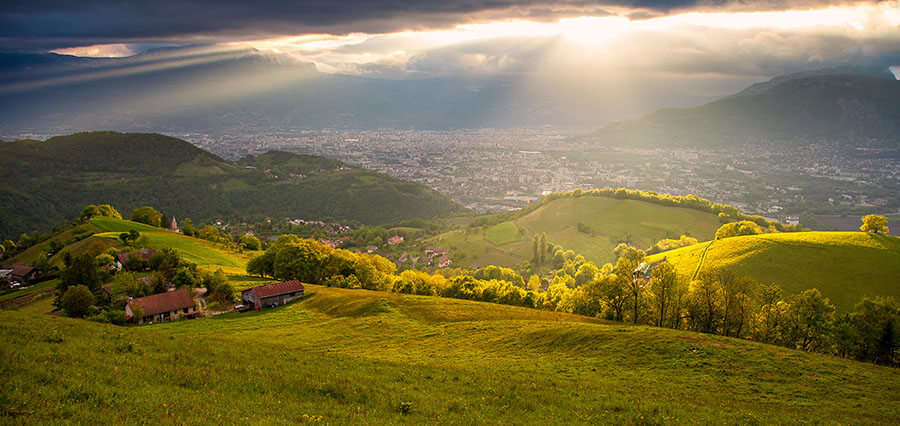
(543, 248)
(737, 302)
(209, 233)
(89, 212)
(875, 321)
(250, 242)
(147, 215)
(811, 315)
(614, 295)
(77, 300)
(587, 272)
(663, 281)
(736, 229)
(705, 303)
(261, 265)
(629, 260)
(874, 223)
(82, 270)
(109, 211)
(187, 227)
(130, 236)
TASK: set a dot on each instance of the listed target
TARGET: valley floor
(353, 356)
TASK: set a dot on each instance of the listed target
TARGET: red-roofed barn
(274, 294)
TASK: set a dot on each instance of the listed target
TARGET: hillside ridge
(48, 183)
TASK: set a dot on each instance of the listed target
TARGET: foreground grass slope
(354, 356)
(609, 221)
(844, 266)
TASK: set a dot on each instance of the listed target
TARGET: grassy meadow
(355, 356)
(610, 221)
(844, 266)
(202, 252)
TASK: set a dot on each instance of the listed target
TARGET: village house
(397, 239)
(371, 249)
(23, 273)
(443, 262)
(271, 295)
(167, 306)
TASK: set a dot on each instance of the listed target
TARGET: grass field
(612, 221)
(844, 266)
(108, 224)
(201, 252)
(360, 357)
(503, 233)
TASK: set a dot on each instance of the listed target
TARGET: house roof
(164, 302)
(277, 289)
(20, 270)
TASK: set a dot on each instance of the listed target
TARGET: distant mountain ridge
(43, 184)
(835, 107)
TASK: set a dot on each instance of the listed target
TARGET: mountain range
(806, 106)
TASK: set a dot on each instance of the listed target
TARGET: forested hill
(835, 107)
(43, 184)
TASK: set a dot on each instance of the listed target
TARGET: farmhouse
(23, 273)
(274, 294)
(160, 307)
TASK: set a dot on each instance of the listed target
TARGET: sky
(707, 47)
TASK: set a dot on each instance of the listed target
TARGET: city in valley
(501, 169)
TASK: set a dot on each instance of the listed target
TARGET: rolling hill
(355, 356)
(835, 107)
(608, 220)
(47, 183)
(844, 266)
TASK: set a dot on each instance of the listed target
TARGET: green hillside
(354, 356)
(106, 229)
(609, 221)
(844, 266)
(43, 184)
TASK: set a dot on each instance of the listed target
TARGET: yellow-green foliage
(361, 357)
(874, 223)
(844, 266)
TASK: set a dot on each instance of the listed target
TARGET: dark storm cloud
(42, 24)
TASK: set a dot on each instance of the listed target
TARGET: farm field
(844, 266)
(356, 356)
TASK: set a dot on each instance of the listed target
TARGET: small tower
(174, 226)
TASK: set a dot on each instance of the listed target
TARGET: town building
(271, 295)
